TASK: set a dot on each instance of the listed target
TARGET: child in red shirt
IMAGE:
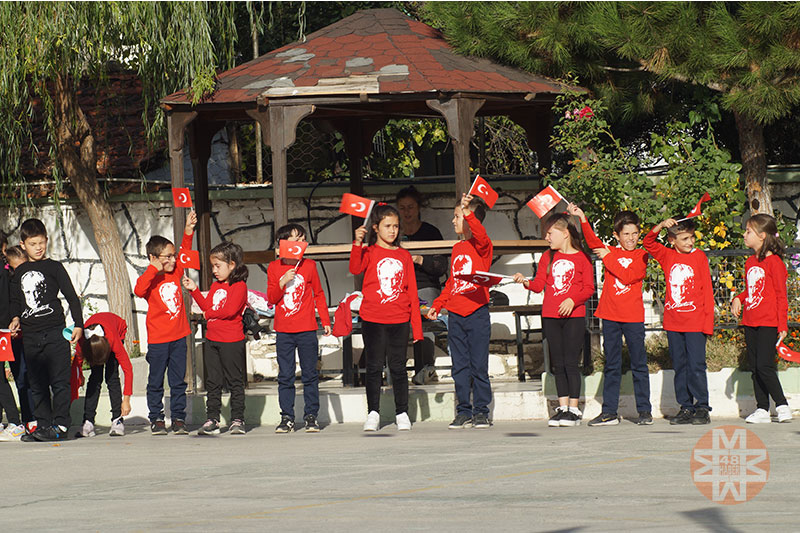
(566, 276)
(764, 316)
(622, 310)
(295, 289)
(688, 315)
(167, 328)
(390, 302)
(103, 347)
(223, 356)
(469, 327)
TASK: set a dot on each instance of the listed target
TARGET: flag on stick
(546, 200)
(482, 189)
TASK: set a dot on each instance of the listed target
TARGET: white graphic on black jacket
(34, 288)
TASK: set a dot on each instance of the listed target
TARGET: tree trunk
(754, 164)
(76, 154)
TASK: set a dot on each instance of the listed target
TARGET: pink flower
(567, 115)
(586, 112)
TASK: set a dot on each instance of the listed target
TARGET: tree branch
(714, 86)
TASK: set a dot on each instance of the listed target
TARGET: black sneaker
(179, 427)
(684, 416)
(701, 417)
(37, 435)
(461, 421)
(481, 421)
(604, 419)
(211, 427)
(645, 418)
(48, 434)
(311, 424)
(555, 420)
(158, 427)
(237, 427)
(570, 419)
(286, 425)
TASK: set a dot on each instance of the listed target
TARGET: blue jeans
(612, 374)
(167, 357)
(307, 345)
(468, 340)
(688, 353)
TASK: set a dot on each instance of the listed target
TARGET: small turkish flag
(696, 211)
(6, 353)
(484, 279)
(181, 197)
(788, 354)
(292, 249)
(481, 188)
(545, 201)
(355, 205)
(189, 259)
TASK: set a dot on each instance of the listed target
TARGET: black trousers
(565, 343)
(47, 356)
(223, 362)
(386, 342)
(761, 343)
(111, 372)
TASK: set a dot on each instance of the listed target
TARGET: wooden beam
(177, 121)
(459, 113)
(283, 123)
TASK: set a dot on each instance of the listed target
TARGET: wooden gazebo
(353, 76)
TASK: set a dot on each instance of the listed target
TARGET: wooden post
(283, 121)
(459, 113)
(200, 136)
(537, 125)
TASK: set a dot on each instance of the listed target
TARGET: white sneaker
(117, 428)
(373, 421)
(88, 429)
(12, 432)
(784, 413)
(759, 416)
(403, 422)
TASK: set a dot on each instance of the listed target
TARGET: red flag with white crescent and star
(181, 197)
(696, 211)
(355, 205)
(788, 354)
(484, 279)
(546, 200)
(6, 352)
(482, 189)
(292, 249)
(189, 259)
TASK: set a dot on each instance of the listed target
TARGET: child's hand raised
(360, 233)
(191, 222)
(155, 262)
(465, 201)
(576, 211)
(669, 223)
(188, 283)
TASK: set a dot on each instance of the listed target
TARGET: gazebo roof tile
(402, 54)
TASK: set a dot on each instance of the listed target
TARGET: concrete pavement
(517, 476)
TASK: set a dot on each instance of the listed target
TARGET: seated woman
(428, 269)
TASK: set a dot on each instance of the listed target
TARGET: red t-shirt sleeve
(359, 259)
(653, 247)
(274, 291)
(589, 236)
(635, 272)
(145, 282)
(778, 277)
(319, 298)
(586, 288)
(444, 296)
(708, 296)
(416, 317)
(538, 283)
(124, 360)
(480, 239)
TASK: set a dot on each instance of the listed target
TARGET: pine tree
(748, 52)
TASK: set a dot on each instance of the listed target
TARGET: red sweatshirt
(621, 300)
(764, 301)
(689, 304)
(223, 307)
(459, 296)
(114, 330)
(571, 276)
(166, 316)
(294, 304)
(390, 286)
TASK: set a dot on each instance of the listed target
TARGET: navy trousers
(688, 353)
(306, 345)
(468, 340)
(612, 374)
(169, 357)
